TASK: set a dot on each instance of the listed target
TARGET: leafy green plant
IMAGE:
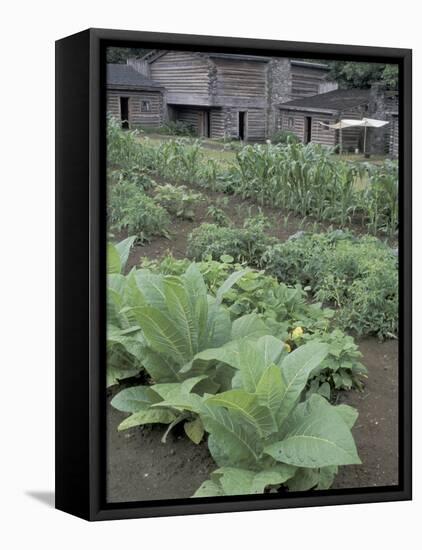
(173, 319)
(287, 313)
(380, 197)
(178, 128)
(358, 276)
(284, 136)
(178, 200)
(243, 244)
(131, 210)
(122, 338)
(262, 433)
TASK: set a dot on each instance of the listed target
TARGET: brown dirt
(141, 467)
(376, 430)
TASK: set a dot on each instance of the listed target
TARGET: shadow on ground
(45, 497)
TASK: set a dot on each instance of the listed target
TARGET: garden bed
(185, 327)
(140, 466)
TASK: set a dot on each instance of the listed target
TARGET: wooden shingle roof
(125, 76)
(336, 100)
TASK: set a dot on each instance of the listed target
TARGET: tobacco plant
(263, 435)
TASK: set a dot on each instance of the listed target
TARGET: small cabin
(133, 98)
(308, 118)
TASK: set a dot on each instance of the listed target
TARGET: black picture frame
(80, 274)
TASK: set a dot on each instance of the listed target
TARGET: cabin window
(324, 125)
(145, 106)
(290, 122)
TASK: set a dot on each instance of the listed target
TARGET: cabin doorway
(205, 124)
(242, 125)
(124, 112)
(308, 129)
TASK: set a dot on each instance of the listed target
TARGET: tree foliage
(120, 55)
(350, 74)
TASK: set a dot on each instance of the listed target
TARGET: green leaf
(123, 249)
(228, 283)
(273, 476)
(270, 391)
(296, 368)
(235, 481)
(218, 327)
(209, 489)
(113, 259)
(114, 374)
(348, 414)
(250, 326)
(304, 479)
(231, 437)
(159, 367)
(196, 290)
(135, 399)
(163, 335)
(326, 477)
(325, 390)
(315, 436)
(271, 349)
(238, 481)
(181, 313)
(151, 287)
(247, 405)
(194, 430)
(150, 416)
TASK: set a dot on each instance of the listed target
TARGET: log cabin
(218, 95)
(308, 118)
(133, 98)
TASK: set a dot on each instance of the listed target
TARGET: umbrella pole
(364, 142)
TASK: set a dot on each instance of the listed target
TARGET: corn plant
(381, 197)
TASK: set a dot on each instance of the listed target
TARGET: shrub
(178, 128)
(131, 210)
(356, 275)
(245, 244)
(284, 136)
(178, 200)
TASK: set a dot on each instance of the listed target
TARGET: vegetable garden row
(247, 341)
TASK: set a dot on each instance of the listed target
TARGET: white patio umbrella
(371, 123)
(349, 122)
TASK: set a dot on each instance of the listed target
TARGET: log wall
(138, 117)
(185, 76)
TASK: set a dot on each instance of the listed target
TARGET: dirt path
(141, 467)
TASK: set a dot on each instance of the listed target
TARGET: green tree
(120, 55)
(350, 74)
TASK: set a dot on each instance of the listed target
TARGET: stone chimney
(279, 87)
(377, 138)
